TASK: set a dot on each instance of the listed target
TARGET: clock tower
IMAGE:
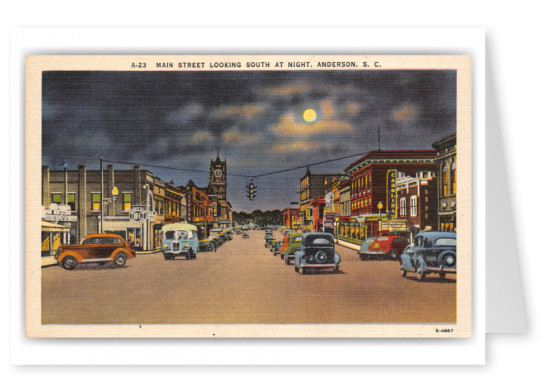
(217, 180)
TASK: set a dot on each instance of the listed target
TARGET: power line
(238, 175)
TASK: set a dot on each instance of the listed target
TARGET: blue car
(431, 252)
(180, 239)
(317, 251)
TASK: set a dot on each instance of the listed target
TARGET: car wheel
(120, 259)
(167, 257)
(296, 269)
(211, 248)
(403, 272)
(287, 260)
(69, 263)
(420, 273)
(394, 255)
(442, 275)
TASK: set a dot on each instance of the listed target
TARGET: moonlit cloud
(289, 126)
(405, 113)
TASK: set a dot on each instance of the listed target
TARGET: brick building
(418, 200)
(447, 182)
(311, 187)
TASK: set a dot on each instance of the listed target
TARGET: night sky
(258, 120)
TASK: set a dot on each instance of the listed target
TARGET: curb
(349, 245)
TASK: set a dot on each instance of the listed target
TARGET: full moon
(309, 115)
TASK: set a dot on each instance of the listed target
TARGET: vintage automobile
(268, 241)
(268, 234)
(284, 246)
(180, 239)
(97, 248)
(383, 246)
(317, 251)
(216, 240)
(295, 241)
(431, 252)
(228, 234)
(245, 235)
(206, 245)
(277, 247)
(272, 245)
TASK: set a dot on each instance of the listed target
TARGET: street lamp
(380, 207)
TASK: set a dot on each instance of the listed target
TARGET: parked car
(268, 234)
(272, 245)
(284, 246)
(295, 241)
(317, 251)
(277, 248)
(268, 242)
(431, 252)
(180, 239)
(383, 246)
(206, 245)
(97, 248)
(245, 235)
(216, 240)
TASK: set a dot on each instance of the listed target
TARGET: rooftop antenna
(379, 137)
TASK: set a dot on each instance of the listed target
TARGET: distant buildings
(311, 187)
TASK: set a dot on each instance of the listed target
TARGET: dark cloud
(179, 119)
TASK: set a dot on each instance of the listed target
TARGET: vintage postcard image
(248, 196)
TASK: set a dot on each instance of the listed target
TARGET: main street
(243, 282)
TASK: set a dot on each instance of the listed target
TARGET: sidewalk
(48, 261)
(349, 245)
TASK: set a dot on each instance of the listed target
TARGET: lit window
(403, 206)
(71, 201)
(454, 178)
(95, 201)
(56, 198)
(445, 181)
(413, 206)
(127, 201)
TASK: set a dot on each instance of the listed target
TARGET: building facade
(291, 218)
(311, 187)
(79, 194)
(446, 161)
(418, 200)
(373, 181)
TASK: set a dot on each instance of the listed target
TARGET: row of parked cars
(178, 239)
(308, 251)
(430, 252)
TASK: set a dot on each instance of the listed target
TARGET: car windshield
(445, 242)
(297, 239)
(169, 235)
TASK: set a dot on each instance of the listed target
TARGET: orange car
(97, 248)
(284, 246)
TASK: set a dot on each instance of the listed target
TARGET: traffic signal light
(251, 191)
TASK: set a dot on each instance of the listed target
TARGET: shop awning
(51, 227)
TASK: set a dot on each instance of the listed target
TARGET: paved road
(242, 283)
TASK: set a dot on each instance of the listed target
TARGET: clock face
(218, 172)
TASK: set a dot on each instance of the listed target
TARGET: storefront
(52, 236)
(131, 231)
(448, 222)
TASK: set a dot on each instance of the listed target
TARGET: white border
(245, 41)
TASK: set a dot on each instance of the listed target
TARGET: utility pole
(101, 197)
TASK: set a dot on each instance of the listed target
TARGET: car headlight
(165, 245)
(185, 245)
